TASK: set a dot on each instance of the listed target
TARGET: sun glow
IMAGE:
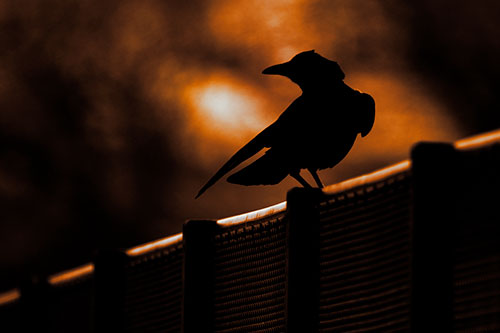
(226, 106)
(224, 111)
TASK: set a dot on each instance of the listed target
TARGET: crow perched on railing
(315, 132)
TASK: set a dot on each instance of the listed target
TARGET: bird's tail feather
(247, 151)
(264, 171)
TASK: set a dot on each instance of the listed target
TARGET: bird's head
(308, 68)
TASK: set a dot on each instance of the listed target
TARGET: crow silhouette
(315, 132)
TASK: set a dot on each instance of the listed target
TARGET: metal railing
(411, 247)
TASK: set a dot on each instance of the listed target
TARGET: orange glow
(406, 113)
(155, 245)
(282, 24)
(71, 274)
(478, 140)
(225, 105)
(251, 216)
(224, 111)
(9, 296)
(372, 177)
(345, 185)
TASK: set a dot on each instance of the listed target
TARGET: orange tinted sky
(227, 106)
(115, 113)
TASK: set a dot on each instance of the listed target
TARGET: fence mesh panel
(71, 305)
(365, 258)
(476, 269)
(153, 291)
(10, 317)
(250, 276)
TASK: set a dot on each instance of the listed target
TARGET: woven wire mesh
(476, 269)
(71, 305)
(477, 288)
(10, 317)
(365, 258)
(153, 291)
(250, 276)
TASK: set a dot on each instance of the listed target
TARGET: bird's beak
(280, 69)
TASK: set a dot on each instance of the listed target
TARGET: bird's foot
(316, 178)
(301, 180)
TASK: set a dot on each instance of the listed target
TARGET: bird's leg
(299, 178)
(316, 177)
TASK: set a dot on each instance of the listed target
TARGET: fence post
(433, 166)
(109, 285)
(302, 295)
(198, 238)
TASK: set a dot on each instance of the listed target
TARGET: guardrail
(411, 247)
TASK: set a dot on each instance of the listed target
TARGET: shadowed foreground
(412, 247)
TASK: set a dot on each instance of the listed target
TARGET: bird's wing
(366, 108)
(262, 140)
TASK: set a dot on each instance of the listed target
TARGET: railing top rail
(9, 296)
(71, 274)
(154, 245)
(254, 215)
(480, 140)
(369, 178)
(373, 177)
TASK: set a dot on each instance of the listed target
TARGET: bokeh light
(224, 107)
(115, 113)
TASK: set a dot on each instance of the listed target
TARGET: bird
(315, 132)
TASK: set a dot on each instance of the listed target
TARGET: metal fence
(153, 291)
(364, 257)
(412, 247)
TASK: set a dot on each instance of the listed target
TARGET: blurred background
(114, 113)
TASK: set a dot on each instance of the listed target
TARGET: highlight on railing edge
(481, 140)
